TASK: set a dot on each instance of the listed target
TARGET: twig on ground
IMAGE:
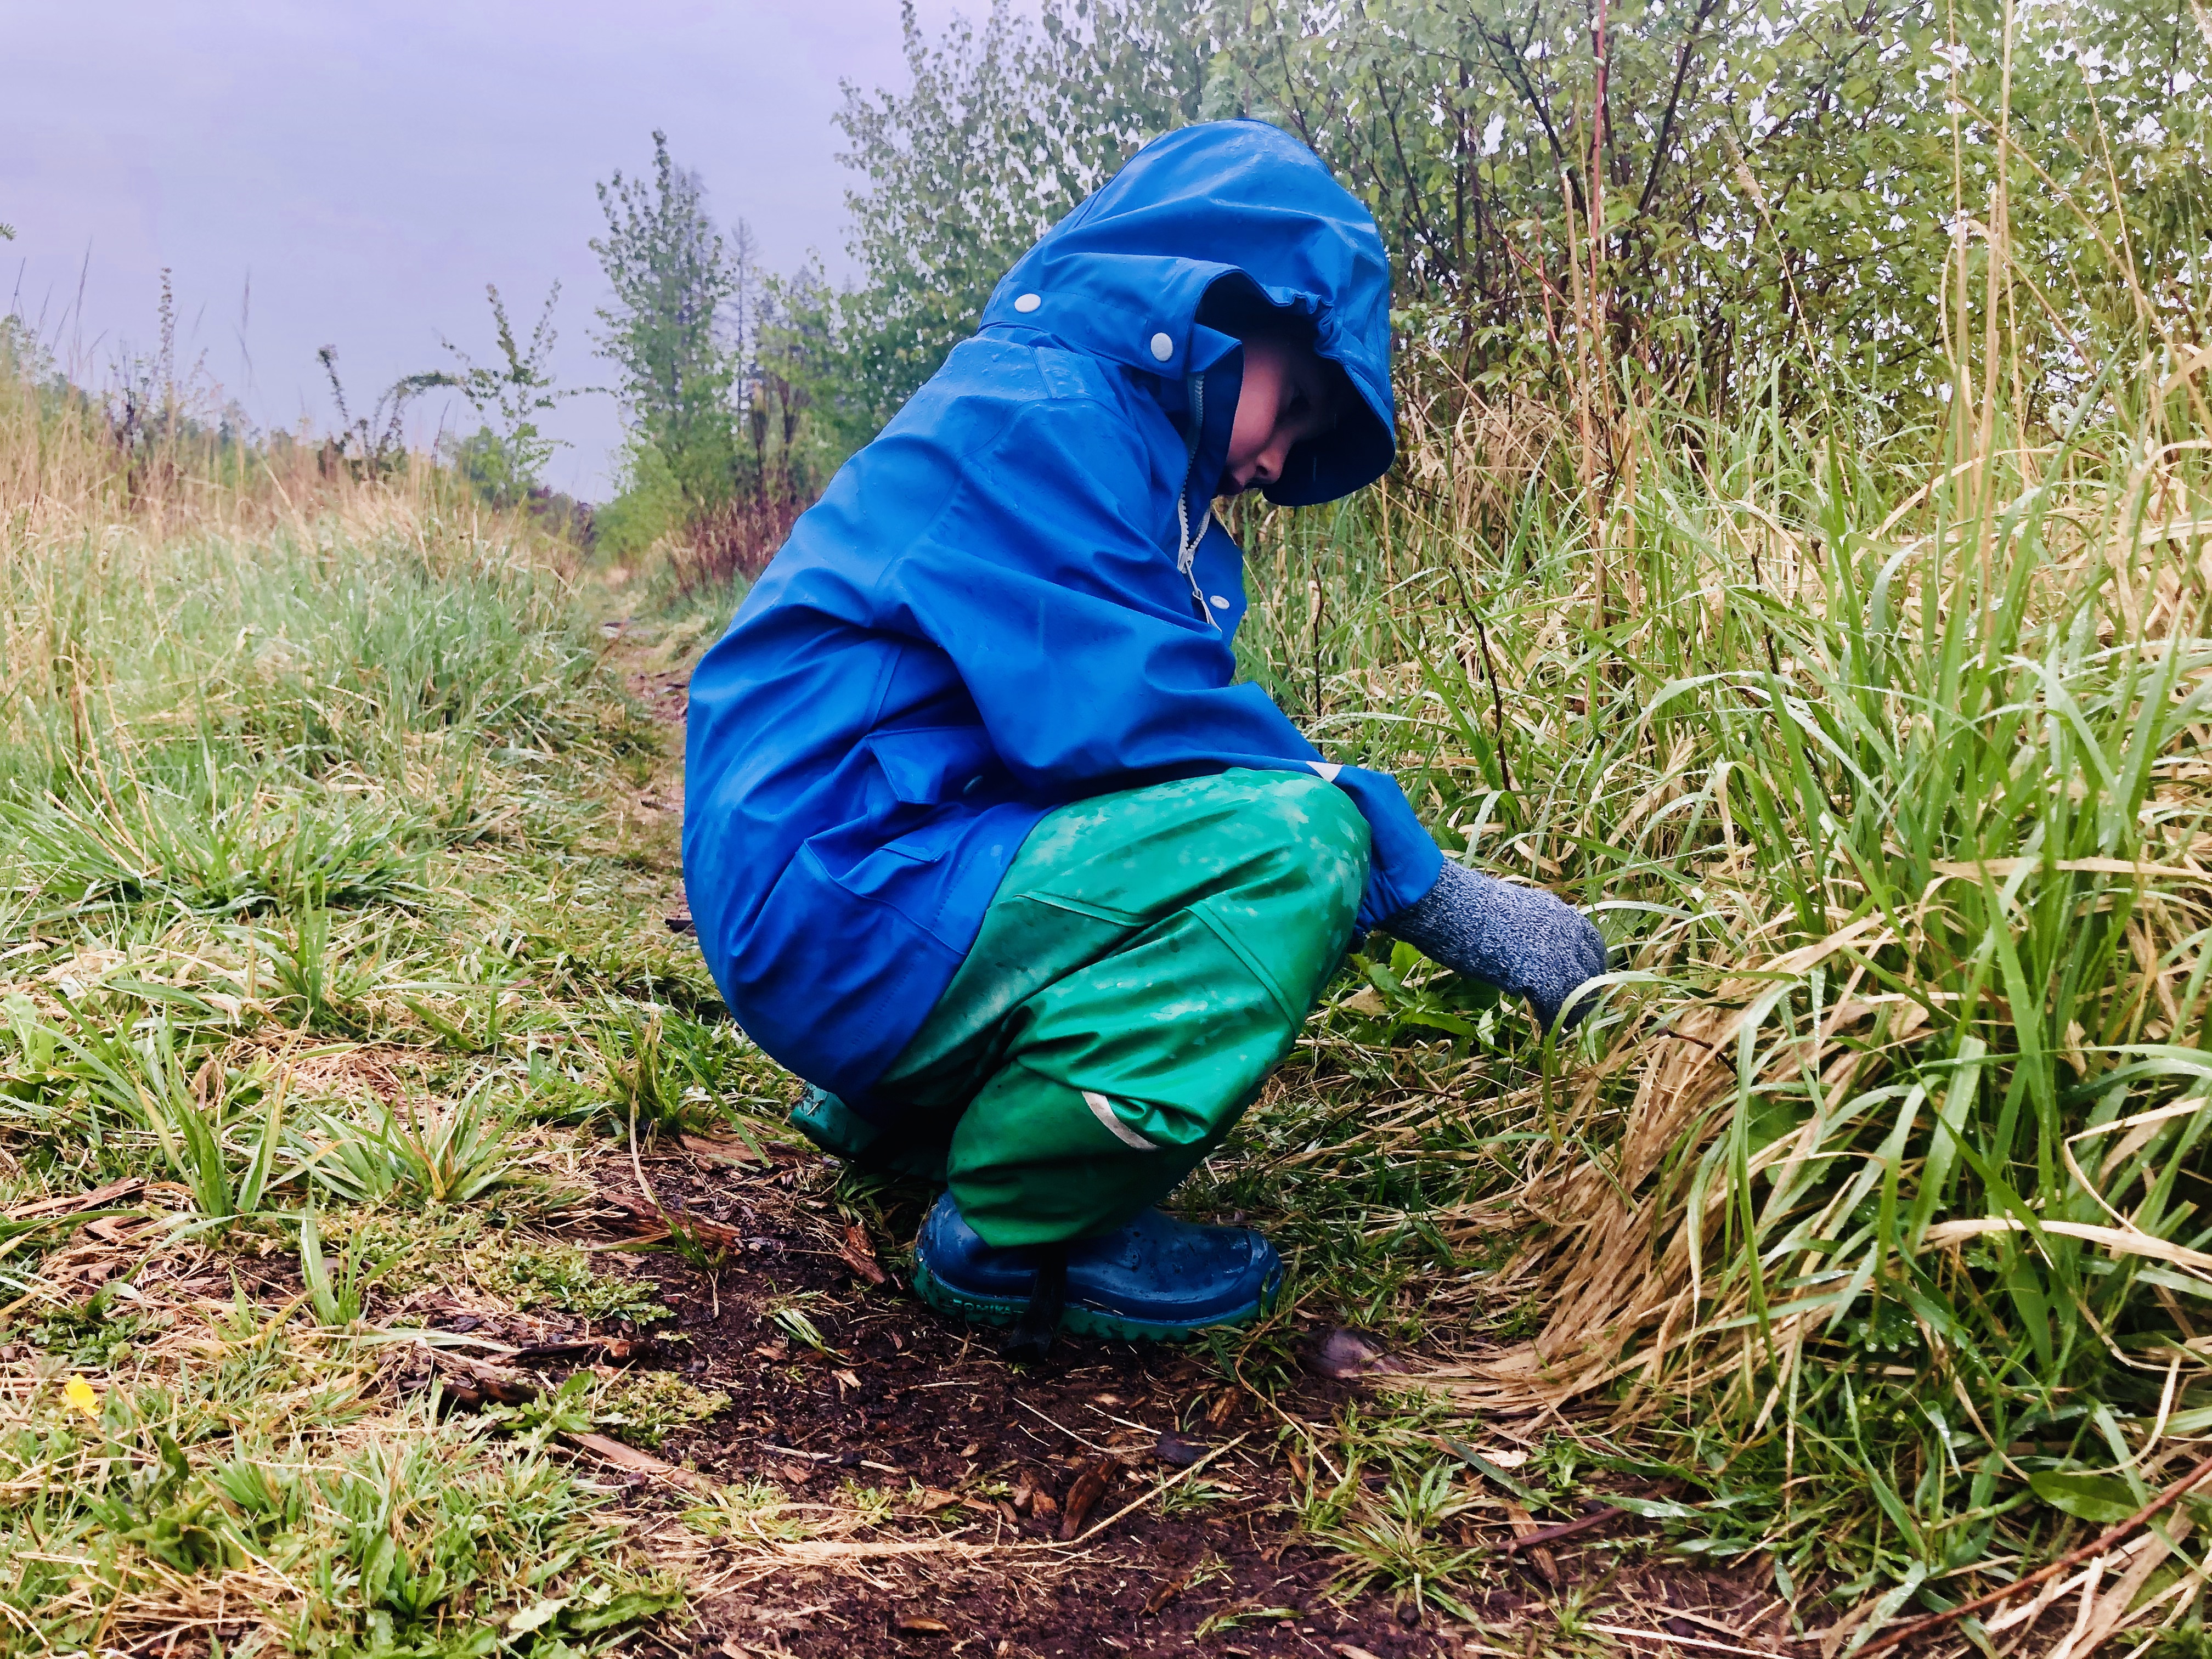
(2098, 1546)
(1091, 1445)
(1544, 1535)
(825, 1550)
(1160, 1490)
(629, 1457)
(1673, 1640)
(1296, 1425)
(828, 1457)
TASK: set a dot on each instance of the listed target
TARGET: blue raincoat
(996, 608)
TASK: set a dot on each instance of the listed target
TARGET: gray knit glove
(1520, 939)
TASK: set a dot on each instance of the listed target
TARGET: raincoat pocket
(882, 873)
(928, 764)
(911, 875)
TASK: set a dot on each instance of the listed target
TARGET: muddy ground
(929, 1485)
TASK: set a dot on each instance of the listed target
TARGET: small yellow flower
(79, 1394)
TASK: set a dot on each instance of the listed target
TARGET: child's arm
(1520, 939)
(1044, 579)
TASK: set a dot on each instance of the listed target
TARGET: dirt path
(899, 1399)
(880, 1482)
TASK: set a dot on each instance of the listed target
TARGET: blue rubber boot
(1156, 1280)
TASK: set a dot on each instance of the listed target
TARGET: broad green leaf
(2101, 1499)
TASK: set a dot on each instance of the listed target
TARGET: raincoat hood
(1235, 211)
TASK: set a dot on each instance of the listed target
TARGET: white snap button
(1028, 302)
(1162, 346)
(1220, 604)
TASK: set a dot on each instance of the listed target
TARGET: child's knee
(1314, 835)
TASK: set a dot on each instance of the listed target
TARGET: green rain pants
(1148, 959)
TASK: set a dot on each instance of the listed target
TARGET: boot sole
(1079, 1320)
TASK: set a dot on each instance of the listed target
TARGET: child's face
(1288, 397)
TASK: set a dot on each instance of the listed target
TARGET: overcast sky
(323, 174)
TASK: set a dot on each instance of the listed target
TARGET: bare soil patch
(904, 1491)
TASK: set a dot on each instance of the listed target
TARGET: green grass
(310, 916)
(408, 1535)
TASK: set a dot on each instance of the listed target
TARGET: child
(982, 841)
